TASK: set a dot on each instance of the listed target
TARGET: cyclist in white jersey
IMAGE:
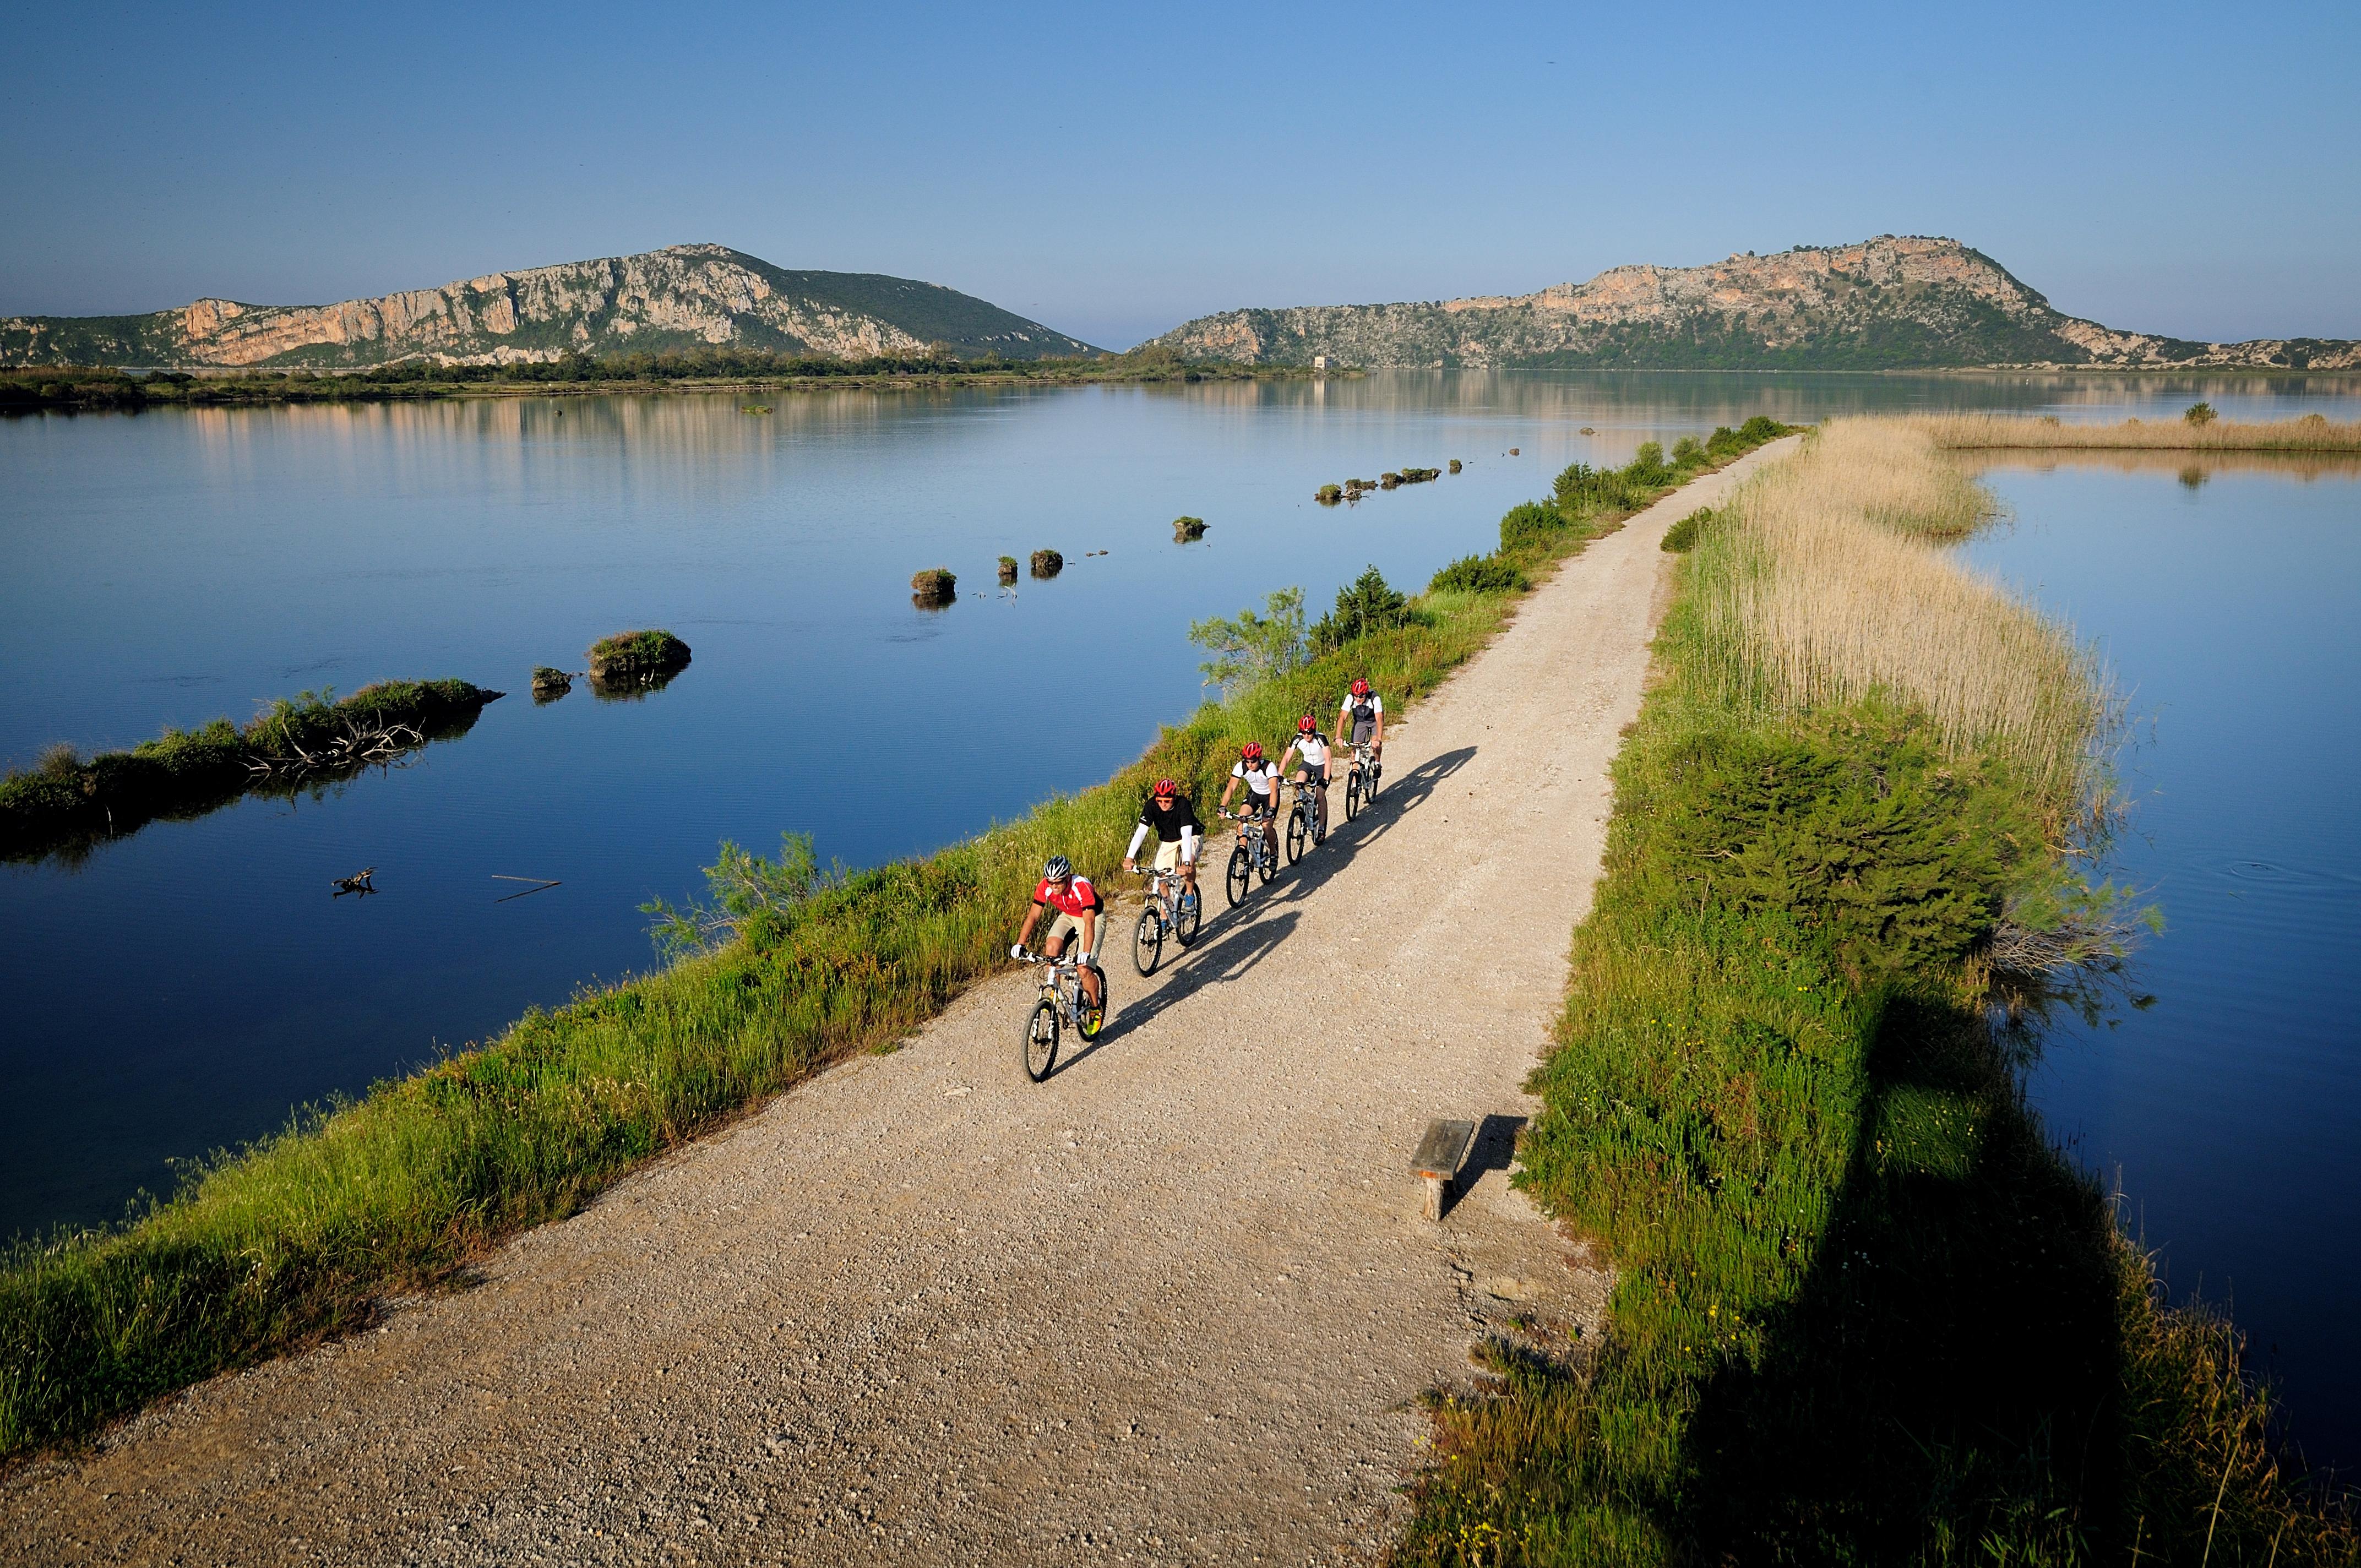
(1361, 721)
(1261, 780)
(1313, 747)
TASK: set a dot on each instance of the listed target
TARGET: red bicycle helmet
(1361, 686)
(1306, 725)
(1164, 787)
(1251, 751)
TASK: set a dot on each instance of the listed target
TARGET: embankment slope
(1177, 1301)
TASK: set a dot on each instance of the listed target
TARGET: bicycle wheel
(1353, 795)
(1369, 790)
(1148, 942)
(1266, 862)
(1236, 883)
(1192, 917)
(1041, 1040)
(1299, 832)
(1088, 1019)
(1320, 819)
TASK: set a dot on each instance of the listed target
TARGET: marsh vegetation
(1852, 855)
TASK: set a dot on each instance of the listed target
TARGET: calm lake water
(183, 988)
(2228, 599)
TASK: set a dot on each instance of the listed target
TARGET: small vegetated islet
(67, 800)
(780, 971)
(629, 655)
(1863, 1311)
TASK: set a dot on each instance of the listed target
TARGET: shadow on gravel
(1408, 792)
(1248, 942)
(1237, 939)
(1495, 1148)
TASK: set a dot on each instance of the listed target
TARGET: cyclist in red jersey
(1078, 906)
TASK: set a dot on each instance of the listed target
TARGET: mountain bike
(1171, 907)
(1249, 857)
(1307, 820)
(1361, 781)
(1062, 1002)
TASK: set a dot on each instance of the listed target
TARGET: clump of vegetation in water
(1419, 475)
(1683, 535)
(1048, 562)
(1454, 464)
(1008, 568)
(1185, 528)
(1328, 495)
(629, 655)
(754, 408)
(65, 799)
(549, 683)
(935, 585)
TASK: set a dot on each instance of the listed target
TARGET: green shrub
(1480, 575)
(1681, 536)
(1688, 453)
(2199, 414)
(1366, 606)
(1532, 526)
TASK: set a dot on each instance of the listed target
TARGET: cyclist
(1261, 780)
(1171, 816)
(1313, 747)
(1361, 721)
(1077, 904)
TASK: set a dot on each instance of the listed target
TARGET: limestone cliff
(1889, 302)
(681, 296)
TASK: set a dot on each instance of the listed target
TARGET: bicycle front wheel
(1191, 917)
(1298, 833)
(1148, 942)
(1353, 795)
(1236, 883)
(1041, 1040)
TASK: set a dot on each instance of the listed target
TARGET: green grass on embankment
(65, 800)
(298, 1236)
(1863, 1312)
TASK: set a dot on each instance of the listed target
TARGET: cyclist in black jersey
(1173, 818)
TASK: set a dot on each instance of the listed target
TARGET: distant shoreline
(31, 388)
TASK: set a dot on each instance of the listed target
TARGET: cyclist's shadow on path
(1410, 792)
(1244, 946)
(1245, 935)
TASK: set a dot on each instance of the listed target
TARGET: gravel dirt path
(1174, 1305)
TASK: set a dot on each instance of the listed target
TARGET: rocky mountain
(684, 296)
(1890, 302)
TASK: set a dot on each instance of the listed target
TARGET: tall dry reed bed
(298, 1236)
(1863, 1312)
(2312, 432)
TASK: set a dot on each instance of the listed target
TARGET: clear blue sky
(2194, 169)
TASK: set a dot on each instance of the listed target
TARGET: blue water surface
(2227, 598)
(184, 988)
